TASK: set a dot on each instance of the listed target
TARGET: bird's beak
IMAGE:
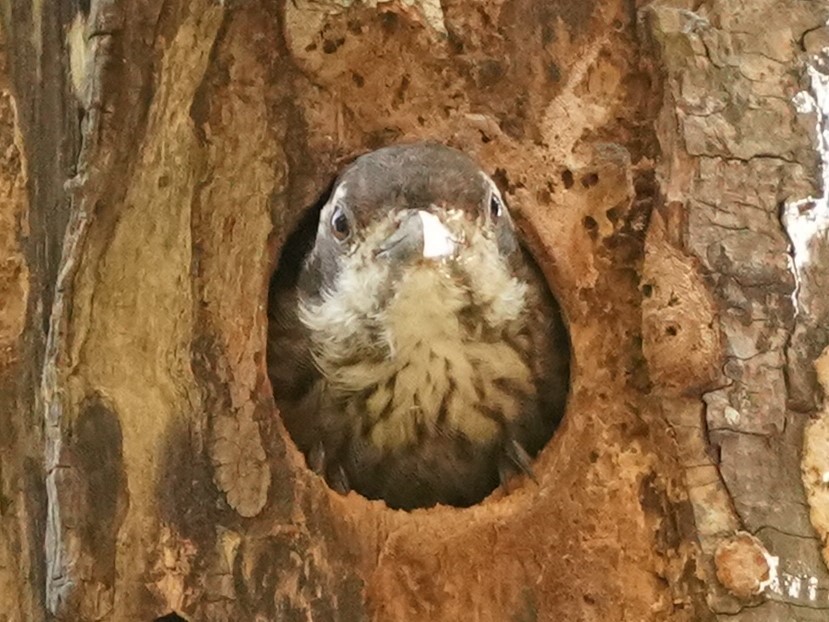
(420, 233)
(438, 241)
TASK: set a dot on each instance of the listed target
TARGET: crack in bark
(801, 40)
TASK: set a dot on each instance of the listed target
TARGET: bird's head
(414, 242)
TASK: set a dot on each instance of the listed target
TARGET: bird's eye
(340, 226)
(496, 207)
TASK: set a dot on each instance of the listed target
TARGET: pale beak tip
(438, 241)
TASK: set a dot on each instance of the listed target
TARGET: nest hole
(288, 395)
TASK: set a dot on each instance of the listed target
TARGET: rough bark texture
(666, 164)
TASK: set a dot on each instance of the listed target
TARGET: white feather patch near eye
(491, 184)
(437, 239)
(339, 193)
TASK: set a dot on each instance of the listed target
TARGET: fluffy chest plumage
(434, 366)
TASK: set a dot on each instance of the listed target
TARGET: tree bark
(667, 164)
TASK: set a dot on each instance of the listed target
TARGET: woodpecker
(419, 356)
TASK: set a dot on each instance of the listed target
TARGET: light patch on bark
(568, 116)
(172, 568)
(14, 271)
(78, 56)
(429, 11)
(815, 465)
(37, 28)
(678, 315)
(305, 19)
(808, 218)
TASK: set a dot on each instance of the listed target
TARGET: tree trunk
(668, 165)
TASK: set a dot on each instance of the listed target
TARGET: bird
(416, 354)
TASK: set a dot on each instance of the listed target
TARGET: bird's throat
(433, 358)
(443, 377)
(426, 307)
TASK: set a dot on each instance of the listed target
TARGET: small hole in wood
(171, 617)
(501, 179)
(390, 21)
(590, 180)
(672, 330)
(329, 46)
(614, 214)
(567, 178)
(591, 226)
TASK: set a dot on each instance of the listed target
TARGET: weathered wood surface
(665, 164)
